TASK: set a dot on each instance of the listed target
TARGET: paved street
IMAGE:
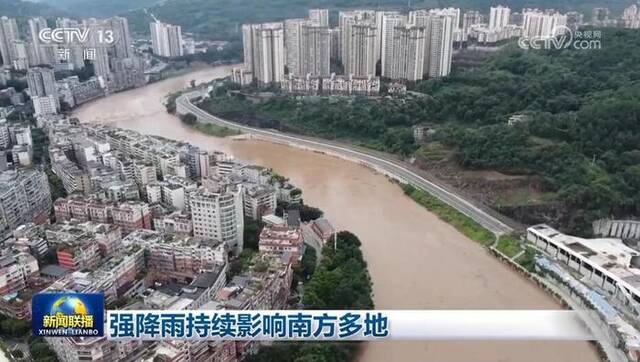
(383, 164)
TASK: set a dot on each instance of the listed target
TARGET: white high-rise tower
(499, 17)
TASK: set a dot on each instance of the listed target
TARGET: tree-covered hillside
(19, 8)
(581, 142)
(99, 8)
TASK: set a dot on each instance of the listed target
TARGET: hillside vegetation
(582, 140)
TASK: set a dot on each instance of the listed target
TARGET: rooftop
(609, 253)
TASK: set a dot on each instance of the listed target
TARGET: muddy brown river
(416, 261)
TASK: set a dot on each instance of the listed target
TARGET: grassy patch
(509, 245)
(460, 221)
(435, 152)
(528, 259)
(215, 130)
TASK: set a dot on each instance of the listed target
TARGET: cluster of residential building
(114, 63)
(307, 55)
(150, 223)
(297, 54)
(629, 19)
(407, 47)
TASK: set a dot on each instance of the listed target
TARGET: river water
(416, 261)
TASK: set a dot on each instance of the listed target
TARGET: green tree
(190, 119)
(252, 229)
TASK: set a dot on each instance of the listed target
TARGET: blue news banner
(80, 314)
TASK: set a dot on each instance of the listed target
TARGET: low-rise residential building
(259, 200)
(24, 197)
(92, 349)
(132, 215)
(266, 285)
(176, 223)
(82, 208)
(29, 238)
(241, 76)
(115, 276)
(178, 259)
(144, 173)
(172, 192)
(282, 241)
(350, 85)
(73, 178)
(45, 105)
(289, 193)
(16, 269)
(21, 155)
(78, 254)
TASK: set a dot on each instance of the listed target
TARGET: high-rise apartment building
(166, 39)
(334, 40)
(122, 38)
(8, 34)
(315, 51)
(219, 216)
(43, 53)
(264, 51)
(360, 59)
(76, 52)
(408, 48)
(347, 19)
(292, 44)
(390, 23)
(307, 45)
(380, 15)
(438, 34)
(499, 17)
(41, 82)
(631, 17)
(100, 60)
(439, 49)
(469, 18)
(319, 16)
(536, 23)
(23, 55)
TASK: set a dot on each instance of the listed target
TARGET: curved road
(385, 165)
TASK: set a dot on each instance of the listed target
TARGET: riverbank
(505, 247)
(416, 260)
(380, 162)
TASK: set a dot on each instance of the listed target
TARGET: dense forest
(582, 137)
